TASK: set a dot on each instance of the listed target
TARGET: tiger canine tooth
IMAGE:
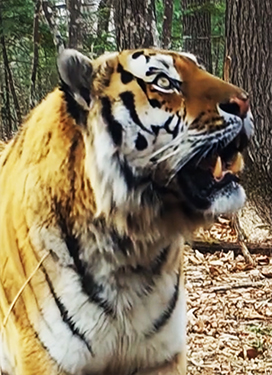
(238, 163)
(217, 172)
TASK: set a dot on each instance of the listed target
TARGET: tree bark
(53, 25)
(104, 10)
(135, 24)
(7, 130)
(249, 45)
(9, 77)
(167, 23)
(197, 30)
(75, 35)
(35, 60)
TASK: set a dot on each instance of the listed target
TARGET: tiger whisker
(170, 144)
(167, 156)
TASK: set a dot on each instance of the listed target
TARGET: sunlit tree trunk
(197, 30)
(9, 79)
(167, 23)
(249, 45)
(104, 11)
(135, 23)
(75, 34)
(35, 60)
(50, 16)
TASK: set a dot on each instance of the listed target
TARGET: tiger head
(157, 125)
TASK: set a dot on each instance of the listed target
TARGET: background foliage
(95, 21)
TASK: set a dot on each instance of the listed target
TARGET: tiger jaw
(211, 184)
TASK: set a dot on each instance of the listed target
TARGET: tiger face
(164, 125)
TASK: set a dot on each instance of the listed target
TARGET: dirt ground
(229, 311)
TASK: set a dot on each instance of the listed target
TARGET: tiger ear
(75, 71)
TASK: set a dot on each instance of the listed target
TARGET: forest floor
(229, 308)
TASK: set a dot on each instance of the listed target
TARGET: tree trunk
(7, 130)
(104, 10)
(75, 36)
(9, 77)
(197, 30)
(50, 17)
(135, 23)
(35, 61)
(167, 23)
(249, 45)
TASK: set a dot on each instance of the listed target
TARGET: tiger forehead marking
(146, 65)
(107, 177)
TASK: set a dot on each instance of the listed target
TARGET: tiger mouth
(201, 180)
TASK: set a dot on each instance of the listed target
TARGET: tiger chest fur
(99, 188)
(133, 309)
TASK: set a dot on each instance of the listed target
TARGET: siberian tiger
(99, 188)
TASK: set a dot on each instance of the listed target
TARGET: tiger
(100, 188)
(2, 146)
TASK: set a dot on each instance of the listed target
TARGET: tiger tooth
(238, 164)
(217, 172)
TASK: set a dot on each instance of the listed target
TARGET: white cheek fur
(226, 202)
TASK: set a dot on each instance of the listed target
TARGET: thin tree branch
(35, 61)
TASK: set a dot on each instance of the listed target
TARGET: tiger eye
(163, 82)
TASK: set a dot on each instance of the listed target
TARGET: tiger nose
(238, 106)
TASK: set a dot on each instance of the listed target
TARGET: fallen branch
(241, 240)
(208, 247)
(225, 288)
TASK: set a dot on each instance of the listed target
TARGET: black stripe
(159, 261)
(142, 84)
(155, 267)
(64, 314)
(93, 290)
(137, 54)
(129, 101)
(74, 109)
(184, 113)
(176, 128)
(89, 286)
(156, 129)
(167, 123)
(71, 162)
(162, 320)
(149, 273)
(121, 243)
(114, 127)
(116, 131)
(155, 103)
(127, 173)
(141, 142)
(126, 77)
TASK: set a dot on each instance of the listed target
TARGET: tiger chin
(99, 188)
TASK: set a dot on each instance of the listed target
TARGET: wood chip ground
(229, 313)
